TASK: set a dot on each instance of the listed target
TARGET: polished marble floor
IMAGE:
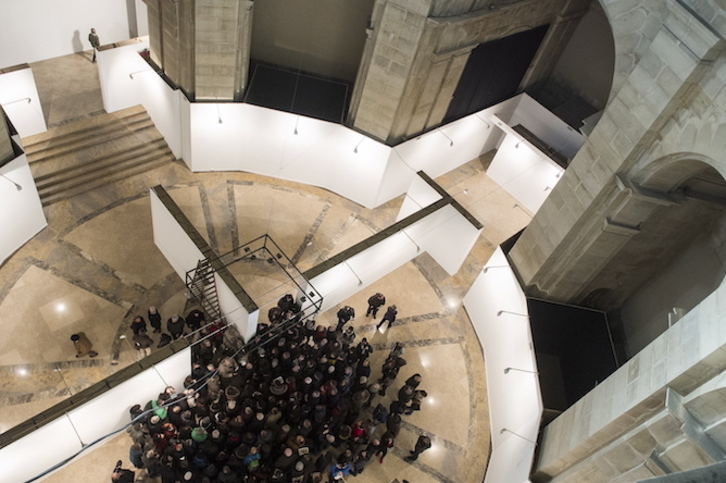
(95, 266)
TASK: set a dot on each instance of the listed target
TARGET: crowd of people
(297, 404)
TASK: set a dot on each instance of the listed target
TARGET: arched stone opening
(676, 257)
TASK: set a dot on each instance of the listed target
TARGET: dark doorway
(494, 71)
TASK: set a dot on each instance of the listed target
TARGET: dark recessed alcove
(574, 351)
(301, 93)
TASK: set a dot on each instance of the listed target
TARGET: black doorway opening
(493, 72)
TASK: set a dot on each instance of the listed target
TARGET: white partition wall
(19, 98)
(445, 234)
(128, 80)
(233, 310)
(64, 437)
(183, 254)
(243, 137)
(521, 168)
(524, 172)
(62, 29)
(420, 194)
(23, 216)
(171, 239)
(497, 308)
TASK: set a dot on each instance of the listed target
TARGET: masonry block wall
(594, 210)
(666, 119)
(417, 51)
(6, 146)
(202, 45)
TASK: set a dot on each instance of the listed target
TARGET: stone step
(62, 173)
(82, 184)
(40, 141)
(90, 138)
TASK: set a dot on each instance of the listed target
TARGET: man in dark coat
(390, 317)
(175, 326)
(375, 302)
(344, 316)
(422, 444)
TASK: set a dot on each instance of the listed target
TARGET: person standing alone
(95, 42)
(375, 302)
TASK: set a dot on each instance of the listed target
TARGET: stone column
(554, 43)
(388, 60)
(6, 146)
(243, 48)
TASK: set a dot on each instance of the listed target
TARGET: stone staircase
(93, 152)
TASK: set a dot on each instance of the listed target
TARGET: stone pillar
(243, 48)
(223, 29)
(203, 46)
(6, 146)
(554, 43)
(388, 59)
(156, 50)
(413, 62)
(563, 246)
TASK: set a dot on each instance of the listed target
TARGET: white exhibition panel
(233, 310)
(363, 269)
(19, 98)
(523, 171)
(447, 236)
(109, 411)
(243, 137)
(118, 70)
(546, 126)
(45, 447)
(128, 80)
(419, 195)
(448, 147)
(173, 242)
(62, 29)
(497, 308)
(23, 217)
(104, 414)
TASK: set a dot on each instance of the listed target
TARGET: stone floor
(96, 265)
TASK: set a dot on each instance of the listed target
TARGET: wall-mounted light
(296, 124)
(131, 75)
(17, 100)
(360, 282)
(510, 431)
(486, 269)
(17, 186)
(418, 248)
(451, 141)
(507, 369)
(485, 122)
(499, 314)
(355, 149)
(219, 114)
(516, 146)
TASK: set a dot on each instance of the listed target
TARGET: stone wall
(607, 423)
(417, 52)
(6, 146)
(666, 119)
(202, 45)
(595, 209)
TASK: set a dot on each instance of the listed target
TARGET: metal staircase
(202, 290)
